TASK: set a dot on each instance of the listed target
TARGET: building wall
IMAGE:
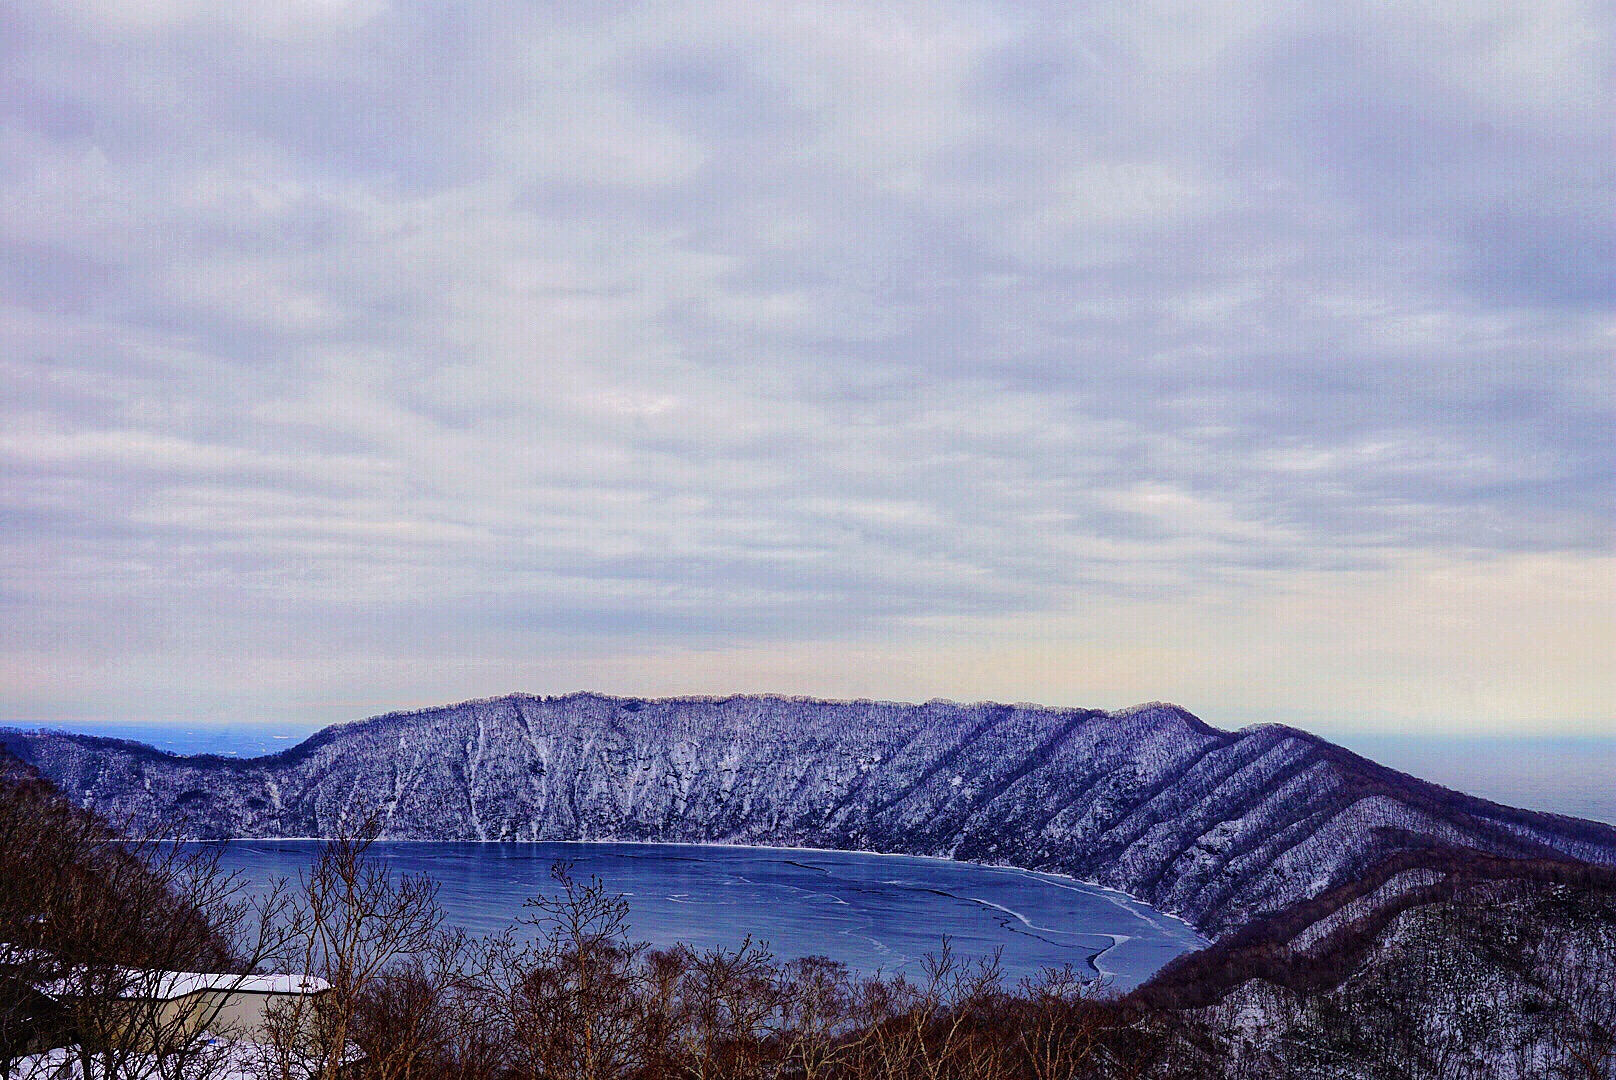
(229, 1014)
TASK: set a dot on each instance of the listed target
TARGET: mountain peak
(1165, 712)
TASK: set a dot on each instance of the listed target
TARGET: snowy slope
(1219, 827)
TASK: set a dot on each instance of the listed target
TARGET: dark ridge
(1373, 778)
(946, 759)
(1039, 756)
(1230, 799)
(1261, 949)
(144, 751)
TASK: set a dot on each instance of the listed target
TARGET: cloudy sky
(1252, 355)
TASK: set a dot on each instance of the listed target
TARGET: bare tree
(355, 924)
(572, 999)
(817, 1001)
(727, 1011)
(427, 1019)
(1059, 1026)
(924, 1029)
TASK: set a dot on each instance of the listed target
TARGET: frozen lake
(873, 912)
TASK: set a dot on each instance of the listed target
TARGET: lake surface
(876, 913)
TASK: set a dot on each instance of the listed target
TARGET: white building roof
(176, 984)
(142, 985)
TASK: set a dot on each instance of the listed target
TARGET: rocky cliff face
(1218, 827)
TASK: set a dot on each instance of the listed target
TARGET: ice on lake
(876, 913)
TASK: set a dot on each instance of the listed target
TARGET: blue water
(876, 913)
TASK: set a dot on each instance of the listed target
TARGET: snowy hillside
(1219, 827)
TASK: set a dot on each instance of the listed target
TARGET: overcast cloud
(1254, 355)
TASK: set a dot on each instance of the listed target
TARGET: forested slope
(1220, 827)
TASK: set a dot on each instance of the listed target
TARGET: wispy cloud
(476, 347)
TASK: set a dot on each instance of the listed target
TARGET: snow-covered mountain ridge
(1220, 827)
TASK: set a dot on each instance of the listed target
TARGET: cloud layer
(356, 351)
